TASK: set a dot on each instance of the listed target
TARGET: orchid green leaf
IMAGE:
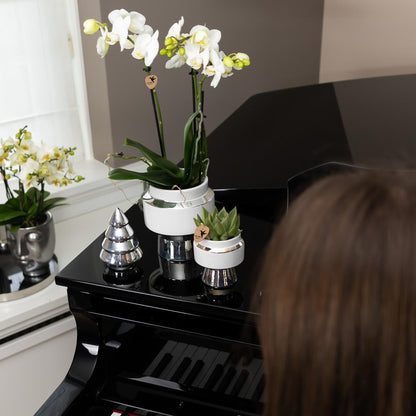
(171, 168)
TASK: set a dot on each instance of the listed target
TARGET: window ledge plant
(31, 166)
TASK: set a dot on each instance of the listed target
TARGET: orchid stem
(194, 74)
(158, 116)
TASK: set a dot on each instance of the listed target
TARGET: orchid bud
(238, 65)
(181, 51)
(169, 41)
(91, 26)
(163, 52)
(228, 62)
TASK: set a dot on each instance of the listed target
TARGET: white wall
(367, 38)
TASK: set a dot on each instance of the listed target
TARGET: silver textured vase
(34, 247)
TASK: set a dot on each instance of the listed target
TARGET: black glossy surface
(88, 272)
(12, 279)
(277, 134)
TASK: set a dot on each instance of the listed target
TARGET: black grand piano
(160, 349)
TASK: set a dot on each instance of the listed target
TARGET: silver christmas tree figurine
(120, 248)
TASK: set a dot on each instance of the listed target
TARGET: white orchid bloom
(137, 23)
(106, 38)
(121, 29)
(205, 38)
(28, 172)
(215, 69)
(102, 46)
(146, 47)
(175, 29)
(194, 57)
(176, 61)
(130, 41)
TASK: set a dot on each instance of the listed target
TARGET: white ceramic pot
(219, 254)
(171, 212)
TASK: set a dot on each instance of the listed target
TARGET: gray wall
(282, 37)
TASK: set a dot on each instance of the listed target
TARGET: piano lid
(275, 135)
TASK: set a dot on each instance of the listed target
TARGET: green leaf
(205, 215)
(8, 214)
(169, 167)
(189, 139)
(222, 214)
(157, 178)
(219, 228)
(52, 203)
(212, 234)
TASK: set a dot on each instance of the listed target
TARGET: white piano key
(177, 355)
(221, 358)
(167, 348)
(254, 383)
(177, 359)
(199, 354)
(253, 367)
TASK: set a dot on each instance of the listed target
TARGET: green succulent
(222, 225)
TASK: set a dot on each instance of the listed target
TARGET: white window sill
(90, 204)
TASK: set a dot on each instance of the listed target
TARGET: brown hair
(338, 304)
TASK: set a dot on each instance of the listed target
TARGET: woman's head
(338, 307)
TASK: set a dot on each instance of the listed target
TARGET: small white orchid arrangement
(31, 166)
(199, 50)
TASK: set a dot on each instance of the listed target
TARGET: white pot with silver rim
(219, 259)
(170, 214)
(171, 211)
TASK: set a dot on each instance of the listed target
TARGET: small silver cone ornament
(120, 248)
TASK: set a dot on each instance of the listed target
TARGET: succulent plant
(222, 225)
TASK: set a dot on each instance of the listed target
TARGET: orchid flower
(175, 29)
(146, 47)
(195, 58)
(137, 23)
(107, 38)
(215, 69)
(205, 38)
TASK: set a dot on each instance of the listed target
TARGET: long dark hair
(338, 304)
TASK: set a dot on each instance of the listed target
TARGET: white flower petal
(176, 61)
(116, 14)
(121, 28)
(137, 22)
(175, 29)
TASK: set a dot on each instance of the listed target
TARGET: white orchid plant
(30, 166)
(199, 50)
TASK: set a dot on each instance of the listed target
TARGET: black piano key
(242, 378)
(185, 363)
(253, 384)
(197, 367)
(182, 351)
(214, 377)
(253, 368)
(200, 353)
(177, 354)
(167, 348)
(227, 379)
(258, 390)
(162, 365)
(219, 357)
